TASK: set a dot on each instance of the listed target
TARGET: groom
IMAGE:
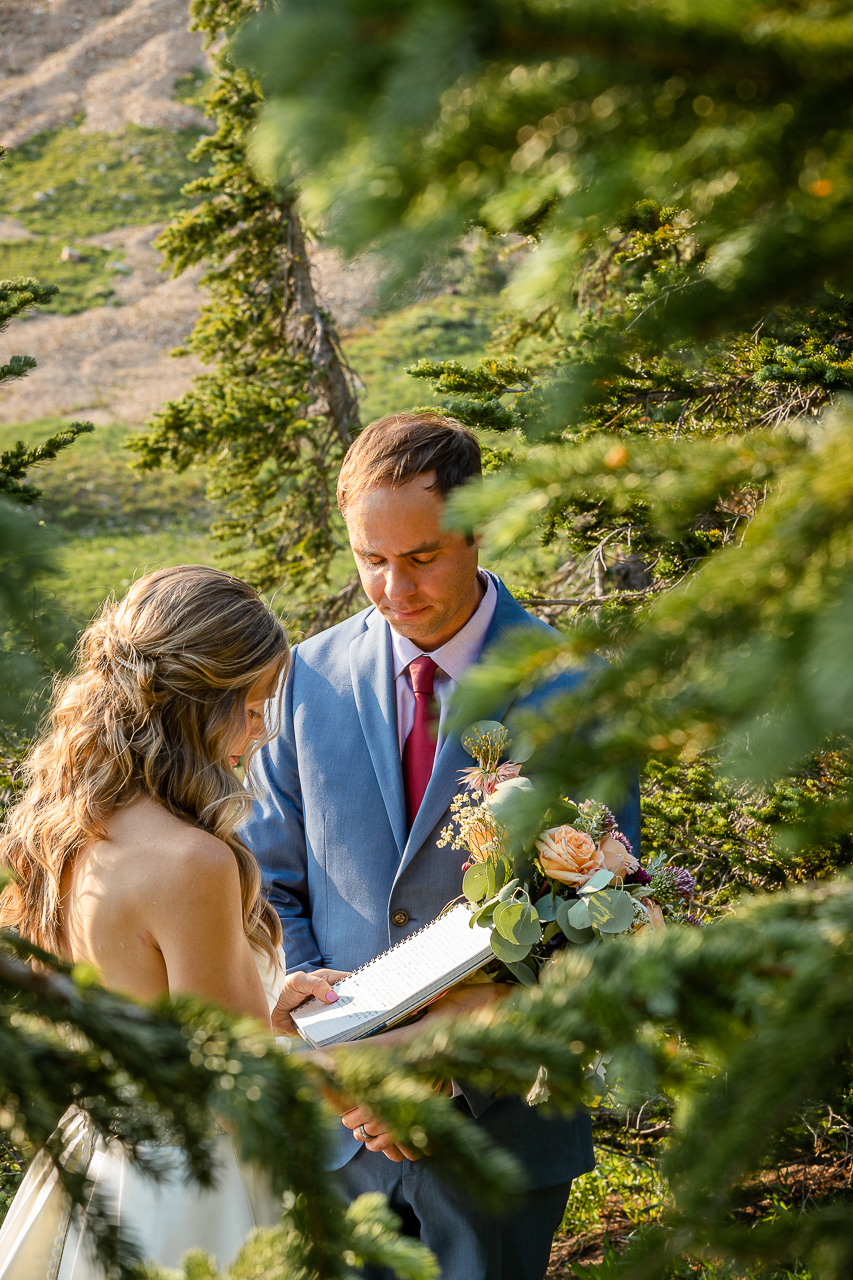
(356, 788)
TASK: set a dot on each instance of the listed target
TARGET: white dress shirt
(453, 659)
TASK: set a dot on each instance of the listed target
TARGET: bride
(125, 855)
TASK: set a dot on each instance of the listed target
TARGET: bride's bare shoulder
(144, 903)
(149, 836)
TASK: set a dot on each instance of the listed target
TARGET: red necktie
(419, 748)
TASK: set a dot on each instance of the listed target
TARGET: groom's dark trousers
(470, 1244)
(348, 878)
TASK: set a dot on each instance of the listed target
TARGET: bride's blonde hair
(160, 682)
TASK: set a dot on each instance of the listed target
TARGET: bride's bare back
(156, 908)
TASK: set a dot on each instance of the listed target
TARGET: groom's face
(421, 577)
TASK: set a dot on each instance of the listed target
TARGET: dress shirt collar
(460, 651)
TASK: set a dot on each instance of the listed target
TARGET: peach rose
(656, 920)
(617, 858)
(478, 837)
(568, 855)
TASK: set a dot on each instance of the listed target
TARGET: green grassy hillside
(113, 523)
(110, 522)
(68, 183)
(64, 186)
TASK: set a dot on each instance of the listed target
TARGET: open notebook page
(398, 981)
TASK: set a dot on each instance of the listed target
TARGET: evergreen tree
(670, 390)
(662, 162)
(414, 121)
(16, 297)
(275, 414)
(744, 1023)
(24, 557)
(156, 1074)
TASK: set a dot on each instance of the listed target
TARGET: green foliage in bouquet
(569, 887)
(272, 417)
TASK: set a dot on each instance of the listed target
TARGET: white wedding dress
(42, 1240)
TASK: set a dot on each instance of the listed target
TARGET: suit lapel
(444, 783)
(372, 675)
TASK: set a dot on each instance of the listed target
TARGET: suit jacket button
(400, 919)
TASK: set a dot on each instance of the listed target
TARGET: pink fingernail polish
(331, 997)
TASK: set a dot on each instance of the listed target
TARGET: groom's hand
(299, 987)
(375, 1136)
(469, 997)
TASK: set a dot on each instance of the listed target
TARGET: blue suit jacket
(329, 831)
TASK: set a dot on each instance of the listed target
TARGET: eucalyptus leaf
(576, 933)
(483, 727)
(504, 801)
(484, 915)
(475, 882)
(547, 908)
(550, 931)
(507, 891)
(525, 975)
(578, 936)
(523, 747)
(518, 923)
(600, 879)
(507, 951)
(610, 911)
(577, 915)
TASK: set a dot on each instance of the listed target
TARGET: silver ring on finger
(362, 1134)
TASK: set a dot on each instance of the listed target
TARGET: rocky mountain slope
(116, 61)
(106, 68)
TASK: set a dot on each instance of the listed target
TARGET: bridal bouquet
(579, 884)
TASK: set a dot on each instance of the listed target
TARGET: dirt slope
(116, 61)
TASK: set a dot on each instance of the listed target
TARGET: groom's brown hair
(397, 448)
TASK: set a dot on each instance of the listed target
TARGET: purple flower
(686, 883)
(640, 876)
(672, 886)
(608, 827)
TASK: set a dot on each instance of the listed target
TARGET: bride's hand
(299, 987)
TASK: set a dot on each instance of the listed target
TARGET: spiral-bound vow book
(398, 982)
